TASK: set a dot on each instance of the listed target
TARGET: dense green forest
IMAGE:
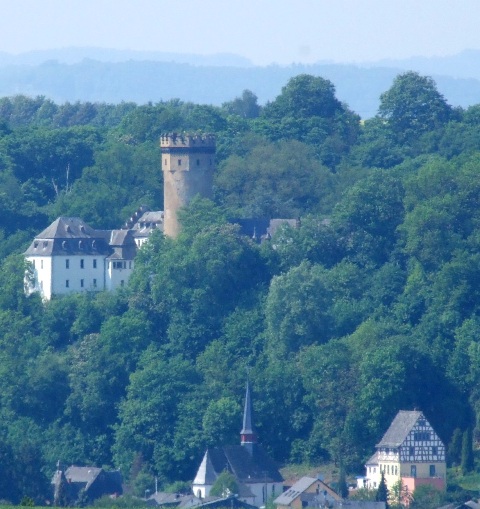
(372, 305)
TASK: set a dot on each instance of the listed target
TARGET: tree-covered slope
(370, 306)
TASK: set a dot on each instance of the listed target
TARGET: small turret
(248, 437)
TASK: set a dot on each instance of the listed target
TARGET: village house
(410, 451)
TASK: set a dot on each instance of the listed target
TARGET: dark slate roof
(400, 428)
(247, 468)
(69, 236)
(230, 502)
(67, 227)
(82, 474)
(123, 244)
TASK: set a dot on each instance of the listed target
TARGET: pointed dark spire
(248, 435)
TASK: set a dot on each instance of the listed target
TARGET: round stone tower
(188, 163)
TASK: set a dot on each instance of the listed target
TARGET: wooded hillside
(371, 306)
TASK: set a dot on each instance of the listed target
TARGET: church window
(82, 263)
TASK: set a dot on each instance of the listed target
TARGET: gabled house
(410, 451)
(87, 483)
(307, 492)
(256, 474)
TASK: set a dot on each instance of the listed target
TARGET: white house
(410, 451)
(69, 256)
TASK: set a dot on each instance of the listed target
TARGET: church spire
(248, 435)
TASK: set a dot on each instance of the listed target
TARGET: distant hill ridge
(112, 76)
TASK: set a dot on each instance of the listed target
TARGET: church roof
(401, 426)
(248, 468)
(247, 428)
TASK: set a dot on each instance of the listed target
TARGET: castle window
(67, 263)
(67, 283)
(82, 264)
(81, 283)
(179, 162)
(94, 263)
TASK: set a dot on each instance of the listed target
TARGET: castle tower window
(67, 263)
(67, 283)
(82, 282)
(82, 263)
(179, 162)
(94, 263)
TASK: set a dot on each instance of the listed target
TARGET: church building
(256, 474)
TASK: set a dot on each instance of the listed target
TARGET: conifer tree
(467, 452)
(454, 453)
(342, 483)
(382, 491)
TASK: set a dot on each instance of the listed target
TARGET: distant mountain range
(112, 76)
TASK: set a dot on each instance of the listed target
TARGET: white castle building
(69, 256)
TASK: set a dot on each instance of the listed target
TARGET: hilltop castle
(70, 256)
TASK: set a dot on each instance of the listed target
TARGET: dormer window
(45, 244)
(35, 244)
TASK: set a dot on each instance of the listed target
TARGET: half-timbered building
(411, 451)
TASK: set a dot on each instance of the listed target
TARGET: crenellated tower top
(205, 142)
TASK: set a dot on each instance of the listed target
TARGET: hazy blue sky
(265, 31)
